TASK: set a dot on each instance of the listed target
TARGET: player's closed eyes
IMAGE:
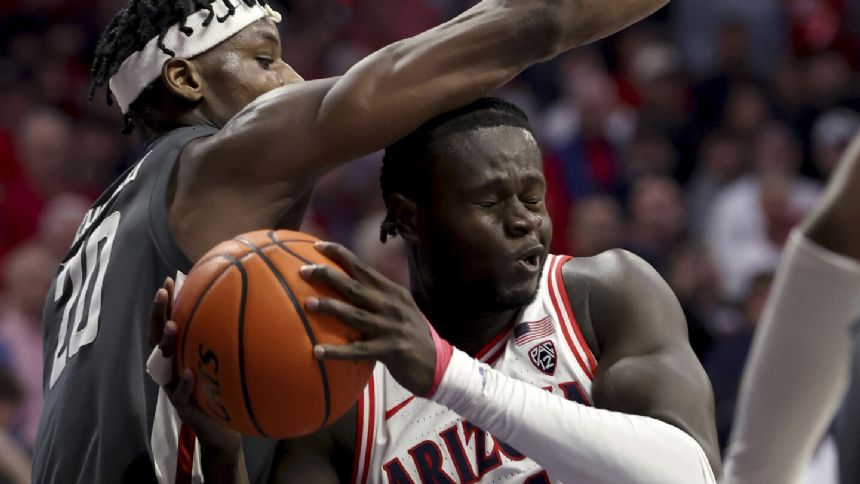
(265, 61)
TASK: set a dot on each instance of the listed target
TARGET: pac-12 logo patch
(543, 356)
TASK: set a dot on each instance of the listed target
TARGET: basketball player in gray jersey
(237, 141)
(96, 325)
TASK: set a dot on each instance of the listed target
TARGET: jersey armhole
(159, 222)
(572, 334)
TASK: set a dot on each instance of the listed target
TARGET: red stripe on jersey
(359, 435)
(493, 342)
(368, 441)
(390, 413)
(557, 263)
(364, 413)
(495, 356)
(185, 455)
(592, 363)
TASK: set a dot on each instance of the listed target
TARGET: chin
(516, 299)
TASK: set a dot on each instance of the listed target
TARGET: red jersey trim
(185, 455)
(393, 411)
(592, 363)
(495, 356)
(569, 326)
(365, 412)
(492, 350)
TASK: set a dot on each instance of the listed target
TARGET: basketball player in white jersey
(573, 370)
(800, 365)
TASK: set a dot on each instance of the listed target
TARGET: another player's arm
(305, 459)
(646, 364)
(322, 457)
(296, 133)
(810, 311)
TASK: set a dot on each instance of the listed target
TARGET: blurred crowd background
(697, 140)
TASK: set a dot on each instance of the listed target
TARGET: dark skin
(258, 169)
(493, 182)
(488, 203)
(278, 134)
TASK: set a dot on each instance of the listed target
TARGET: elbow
(545, 30)
(579, 22)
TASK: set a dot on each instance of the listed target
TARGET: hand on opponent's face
(396, 332)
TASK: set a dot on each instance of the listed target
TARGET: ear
(405, 216)
(182, 79)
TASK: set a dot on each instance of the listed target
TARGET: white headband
(144, 66)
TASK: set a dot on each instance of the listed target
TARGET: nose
(287, 74)
(522, 221)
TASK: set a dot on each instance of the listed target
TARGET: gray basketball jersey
(99, 421)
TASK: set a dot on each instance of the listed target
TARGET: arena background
(696, 139)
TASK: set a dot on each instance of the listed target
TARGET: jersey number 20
(85, 272)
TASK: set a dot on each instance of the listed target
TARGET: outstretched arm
(393, 91)
(294, 134)
(799, 366)
(630, 443)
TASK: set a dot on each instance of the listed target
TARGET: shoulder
(626, 298)
(614, 271)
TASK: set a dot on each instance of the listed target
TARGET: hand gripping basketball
(397, 334)
(162, 337)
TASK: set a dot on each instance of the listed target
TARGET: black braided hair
(403, 166)
(138, 23)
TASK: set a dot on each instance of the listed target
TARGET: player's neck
(468, 331)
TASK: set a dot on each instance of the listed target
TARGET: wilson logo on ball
(207, 368)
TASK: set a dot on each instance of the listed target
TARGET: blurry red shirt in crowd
(20, 210)
(820, 25)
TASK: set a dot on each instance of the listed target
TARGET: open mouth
(530, 259)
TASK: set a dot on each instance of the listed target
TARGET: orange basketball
(244, 332)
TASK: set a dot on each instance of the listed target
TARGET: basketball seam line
(302, 316)
(233, 262)
(240, 259)
(245, 393)
(286, 249)
(280, 243)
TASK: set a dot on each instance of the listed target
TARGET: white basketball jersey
(401, 438)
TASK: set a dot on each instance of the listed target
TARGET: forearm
(584, 21)
(798, 368)
(569, 440)
(393, 91)
(223, 467)
(396, 89)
